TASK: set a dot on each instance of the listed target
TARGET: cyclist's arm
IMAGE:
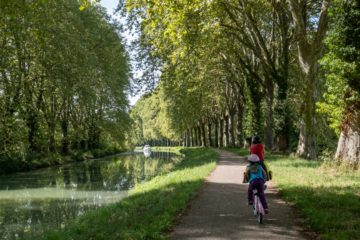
(264, 174)
(246, 175)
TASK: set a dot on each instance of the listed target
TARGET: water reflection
(33, 202)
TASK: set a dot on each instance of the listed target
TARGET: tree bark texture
(209, 135)
(221, 133)
(226, 130)
(309, 53)
(203, 135)
(216, 140)
(196, 137)
(188, 138)
(348, 148)
(232, 130)
(239, 124)
(307, 139)
(200, 142)
(65, 141)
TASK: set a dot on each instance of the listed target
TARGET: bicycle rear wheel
(260, 218)
(255, 211)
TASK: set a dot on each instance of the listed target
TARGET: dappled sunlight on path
(220, 210)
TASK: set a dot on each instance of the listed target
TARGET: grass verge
(151, 207)
(327, 198)
(240, 151)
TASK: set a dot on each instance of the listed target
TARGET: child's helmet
(253, 158)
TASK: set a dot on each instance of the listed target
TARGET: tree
(342, 62)
(310, 31)
(64, 74)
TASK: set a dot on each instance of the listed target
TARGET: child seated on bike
(259, 149)
(255, 175)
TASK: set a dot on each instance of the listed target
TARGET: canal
(36, 201)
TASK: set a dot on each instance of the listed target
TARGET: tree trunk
(51, 136)
(191, 138)
(203, 135)
(309, 52)
(199, 137)
(281, 107)
(195, 137)
(307, 140)
(348, 148)
(221, 133)
(32, 130)
(209, 135)
(187, 138)
(216, 140)
(65, 141)
(226, 130)
(239, 124)
(232, 130)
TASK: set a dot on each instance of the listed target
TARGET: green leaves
(65, 75)
(341, 63)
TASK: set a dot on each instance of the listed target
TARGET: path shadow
(221, 212)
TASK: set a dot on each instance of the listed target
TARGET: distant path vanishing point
(220, 210)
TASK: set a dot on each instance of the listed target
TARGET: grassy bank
(327, 198)
(150, 209)
(160, 149)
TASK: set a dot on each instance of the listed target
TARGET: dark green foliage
(64, 75)
(342, 63)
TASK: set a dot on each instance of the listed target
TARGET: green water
(33, 202)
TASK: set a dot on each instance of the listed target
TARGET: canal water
(36, 201)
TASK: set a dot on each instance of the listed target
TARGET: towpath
(220, 212)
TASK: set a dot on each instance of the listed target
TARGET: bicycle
(258, 208)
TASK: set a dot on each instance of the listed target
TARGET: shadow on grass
(333, 212)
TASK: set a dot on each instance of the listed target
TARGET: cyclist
(259, 149)
(255, 175)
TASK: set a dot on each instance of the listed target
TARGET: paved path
(220, 210)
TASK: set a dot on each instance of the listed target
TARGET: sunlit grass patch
(328, 198)
(240, 151)
(150, 209)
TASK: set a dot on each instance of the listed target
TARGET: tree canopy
(232, 69)
(63, 81)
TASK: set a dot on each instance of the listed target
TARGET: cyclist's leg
(250, 193)
(260, 188)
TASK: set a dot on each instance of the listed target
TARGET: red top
(258, 149)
